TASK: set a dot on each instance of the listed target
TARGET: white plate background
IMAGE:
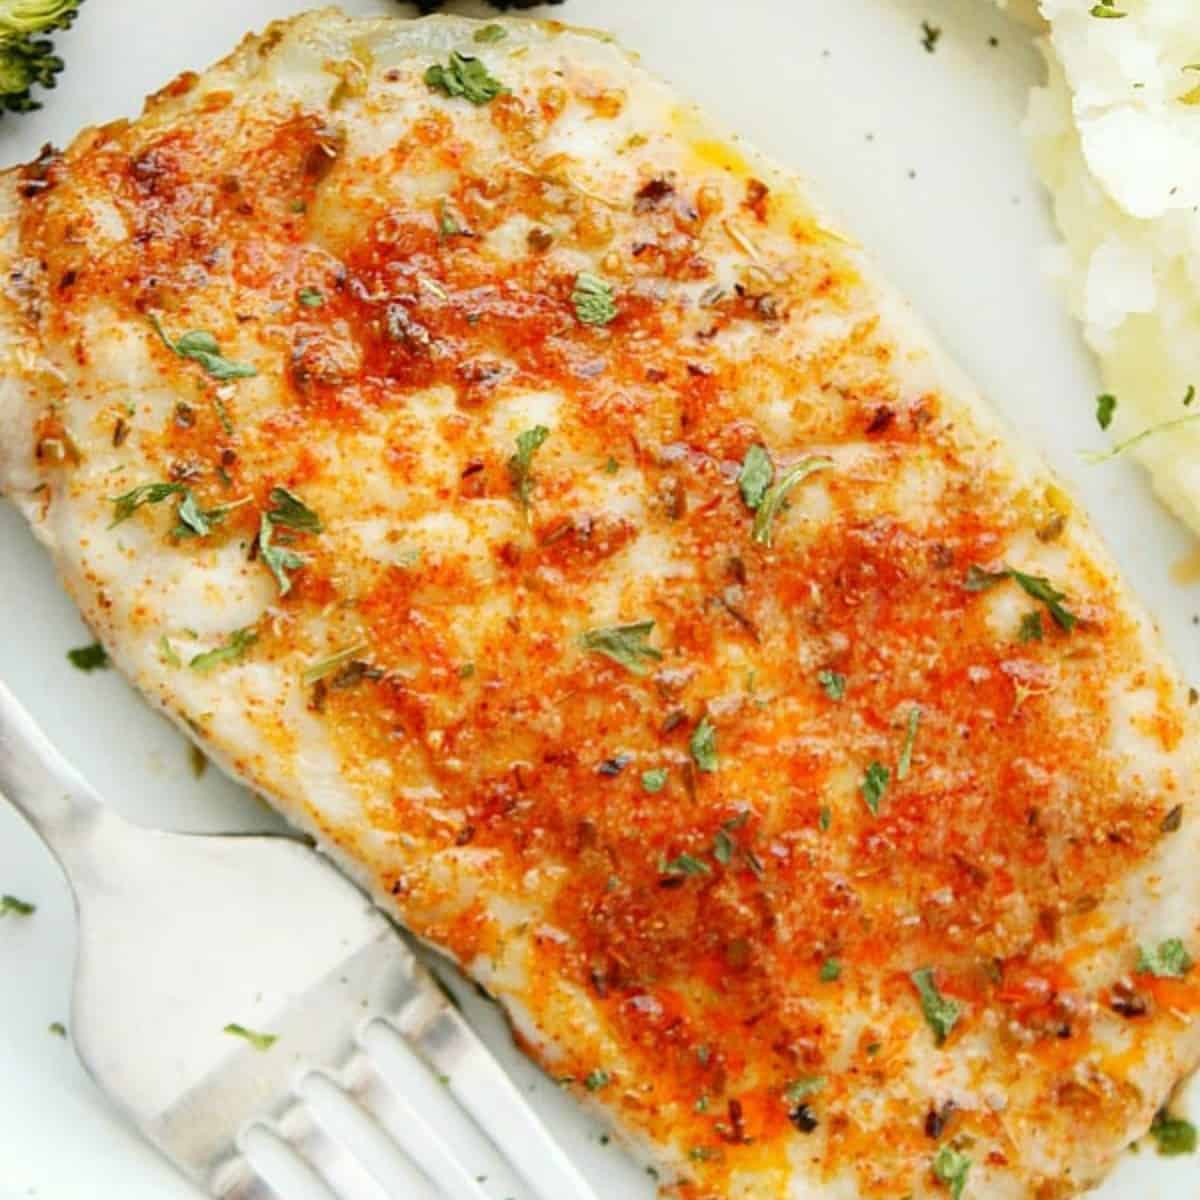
(923, 157)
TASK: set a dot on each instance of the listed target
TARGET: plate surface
(922, 155)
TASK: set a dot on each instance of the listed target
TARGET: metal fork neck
(39, 783)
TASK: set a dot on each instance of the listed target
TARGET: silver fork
(252, 1013)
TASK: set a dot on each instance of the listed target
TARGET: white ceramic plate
(923, 156)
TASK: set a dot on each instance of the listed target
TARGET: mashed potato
(1116, 133)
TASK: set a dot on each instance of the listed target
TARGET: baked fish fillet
(522, 484)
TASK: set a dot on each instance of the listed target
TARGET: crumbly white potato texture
(1116, 135)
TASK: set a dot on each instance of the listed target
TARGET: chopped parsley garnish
(624, 644)
(89, 658)
(1031, 628)
(654, 780)
(310, 297)
(191, 519)
(279, 559)
(200, 346)
(1107, 9)
(950, 1167)
(802, 1088)
(593, 299)
(240, 640)
(824, 818)
(1169, 960)
(930, 36)
(684, 864)
(756, 476)
(1094, 458)
(1174, 1135)
(703, 745)
(1037, 586)
(145, 493)
(57, 1028)
(874, 785)
(326, 666)
(168, 652)
(910, 737)
(260, 1041)
(287, 509)
(832, 684)
(490, 33)
(777, 494)
(194, 521)
(831, 971)
(1105, 407)
(18, 908)
(520, 464)
(597, 1079)
(464, 76)
(940, 1012)
(292, 513)
(723, 847)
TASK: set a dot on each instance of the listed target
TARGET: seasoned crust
(453, 691)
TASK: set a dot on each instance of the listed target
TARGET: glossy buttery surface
(726, 962)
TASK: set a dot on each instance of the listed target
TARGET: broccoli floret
(27, 57)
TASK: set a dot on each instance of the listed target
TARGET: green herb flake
(11, 906)
(194, 521)
(1105, 407)
(464, 76)
(520, 464)
(874, 785)
(326, 666)
(723, 847)
(777, 494)
(941, 1013)
(612, 466)
(800, 1089)
(1031, 629)
(831, 970)
(832, 684)
(1174, 1135)
(1037, 586)
(1106, 10)
(1094, 458)
(684, 864)
(624, 644)
(289, 510)
(490, 34)
(930, 36)
(597, 1079)
(200, 346)
(756, 476)
(168, 653)
(910, 738)
(824, 818)
(951, 1167)
(57, 1029)
(260, 1041)
(88, 658)
(593, 299)
(126, 505)
(240, 640)
(1169, 960)
(654, 780)
(279, 559)
(310, 297)
(703, 746)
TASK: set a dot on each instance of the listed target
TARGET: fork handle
(44, 788)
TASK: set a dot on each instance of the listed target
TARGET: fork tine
(441, 1036)
(378, 1149)
(281, 1167)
